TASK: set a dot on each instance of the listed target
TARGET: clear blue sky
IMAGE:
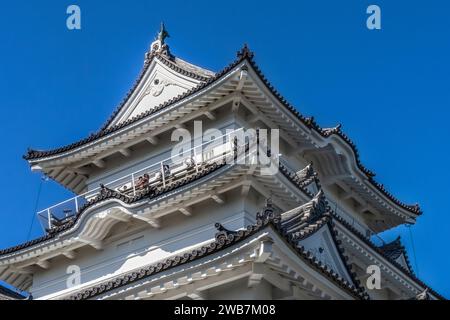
(389, 88)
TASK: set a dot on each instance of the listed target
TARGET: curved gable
(161, 82)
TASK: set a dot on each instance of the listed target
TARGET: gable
(159, 84)
(322, 245)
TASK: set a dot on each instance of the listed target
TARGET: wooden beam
(67, 178)
(364, 208)
(151, 221)
(21, 284)
(261, 271)
(223, 100)
(44, 264)
(261, 189)
(346, 195)
(116, 216)
(99, 163)
(70, 254)
(96, 244)
(119, 218)
(242, 77)
(265, 250)
(330, 180)
(79, 171)
(75, 182)
(186, 211)
(203, 197)
(255, 110)
(153, 140)
(218, 199)
(236, 104)
(125, 152)
(194, 294)
(60, 174)
(72, 180)
(199, 286)
(210, 115)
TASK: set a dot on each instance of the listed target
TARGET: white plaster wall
(149, 95)
(145, 247)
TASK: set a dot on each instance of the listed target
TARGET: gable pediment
(323, 246)
(162, 80)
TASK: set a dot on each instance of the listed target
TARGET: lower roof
(226, 238)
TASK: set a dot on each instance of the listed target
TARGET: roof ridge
(176, 67)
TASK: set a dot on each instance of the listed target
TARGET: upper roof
(200, 79)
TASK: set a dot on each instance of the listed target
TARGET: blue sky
(389, 88)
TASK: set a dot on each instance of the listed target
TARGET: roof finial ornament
(162, 34)
(268, 213)
(159, 46)
(245, 52)
(423, 295)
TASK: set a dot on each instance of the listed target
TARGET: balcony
(155, 176)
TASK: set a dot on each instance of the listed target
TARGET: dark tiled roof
(225, 238)
(301, 221)
(243, 54)
(294, 179)
(307, 175)
(394, 250)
